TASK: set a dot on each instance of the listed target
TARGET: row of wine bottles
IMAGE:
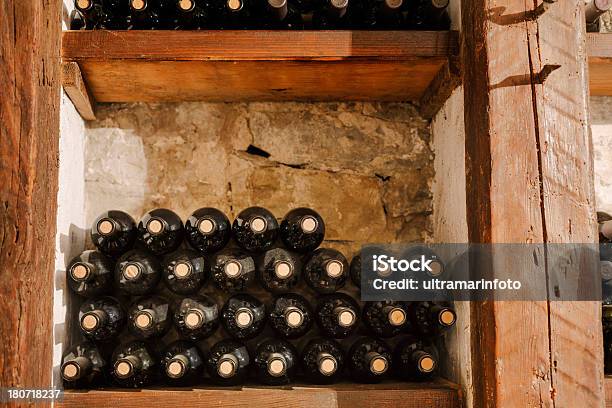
(244, 317)
(260, 14)
(138, 364)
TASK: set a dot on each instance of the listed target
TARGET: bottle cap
(379, 365)
(144, 319)
(71, 371)
(124, 368)
(233, 269)
(84, 4)
(447, 317)
(155, 226)
(186, 5)
(91, 321)
(80, 272)
(227, 366)
(138, 4)
(177, 366)
(194, 319)
(277, 4)
(294, 317)
(182, 270)
(283, 269)
(334, 268)
(327, 364)
(234, 5)
(436, 268)
(426, 364)
(339, 4)
(277, 366)
(244, 318)
(605, 228)
(440, 3)
(105, 226)
(131, 271)
(394, 4)
(206, 226)
(309, 224)
(257, 224)
(397, 316)
(346, 317)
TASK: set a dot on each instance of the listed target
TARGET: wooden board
(608, 391)
(29, 135)
(129, 66)
(440, 394)
(599, 48)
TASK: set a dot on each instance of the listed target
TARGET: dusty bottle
(369, 360)
(149, 317)
(243, 316)
(101, 318)
(415, 360)
(337, 315)
(91, 11)
(290, 315)
(279, 270)
(137, 273)
(326, 270)
(208, 230)
(431, 319)
(83, 367)
(90, 274)
(233, 270)
(135, 365)
(322, 361)
(182, 363)
(185, 271)
(114, 233)
(228, 362)
(302, 230)
(386, 318)
(275, 362)
(196, 317)
(255, 229)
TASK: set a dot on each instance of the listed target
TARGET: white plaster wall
(601, 129)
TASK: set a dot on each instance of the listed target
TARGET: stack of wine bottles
(605, 255)
(253, 300)
(260, 14)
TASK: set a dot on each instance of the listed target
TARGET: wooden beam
(440, 88)
(29, 134)
(529, 179)
(75, 88)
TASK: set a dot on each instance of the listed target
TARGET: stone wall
(367, 168)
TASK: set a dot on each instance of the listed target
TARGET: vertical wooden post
(530, 179)
(29, 133)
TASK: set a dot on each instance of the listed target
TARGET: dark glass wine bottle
(208, 230)
(281, 15)
(233, 270)
(236, 14)
(279, 270)
(196, 317)
(101, 318)
(92, 12)
(432, 319)
(185, 271)
(182, 363)
(114, 233)
(243, 316)
(90, 274)
(369, 360)
(383, 14)
(83, 367)
(333, 14)
(135, 365)
(436, 267)
(355, 270)
(337, 315)
(326, 270)
(322, 361)
(149, 317)
(228, 362)
(192, 14)
(605, 240)
(151, 15)
(275, 362)
(116, 15)
(428, 15)
(137, 273)
(255, 229)
(290, 315)
(161, 231)
(77, 21)
(606, 319)
(415, 360)
(386, 318)
(302, 230)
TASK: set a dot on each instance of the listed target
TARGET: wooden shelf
(599, 48)
(440, 394)
(154, 66)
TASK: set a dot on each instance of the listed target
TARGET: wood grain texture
(75, 88)
(29, 134)
(608, 391)
(440, 89)
(440, 394)
(599, 49)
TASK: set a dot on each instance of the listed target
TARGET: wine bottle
(322, 361)
(384, 14)
(185, 271)
(281, 15)
(83, 367)
(337, 315)
(431, 318)
(192, 14)
(228, 362)
(606, 318)
(255, 229)
(233, 270)
(236, 14)
(149, 317)
(151, 15)
(116, 15)
(332, 15)
(428, 15)
(196, 317)
(369, 360)
(92, 12)
(77, 21)
(302, 230)
(275, 362)
(137, 273)
(161, 231)
(208, 230)
(290, 315)
(101, 318)
(436, 266)
(355, 270)
(415, 360)
(325, 270)
(386, 318)
(182, 363)
(279, 270)
(135, 365)
(243, 316)
(90, 274)
(114, 233)
(605, 240)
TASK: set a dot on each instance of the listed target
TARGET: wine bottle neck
(81, 271)
(93, 320)
(294, 317)
(177, 366)
(76, 368)
(327, 364)
(126, 367)
(277, 365)
(377, 363)
(145, 319)
(227, 365)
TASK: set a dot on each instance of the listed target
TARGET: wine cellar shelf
(441, 394)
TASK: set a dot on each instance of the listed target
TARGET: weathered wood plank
(29, 134)
(75, 88)
(440, 88)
